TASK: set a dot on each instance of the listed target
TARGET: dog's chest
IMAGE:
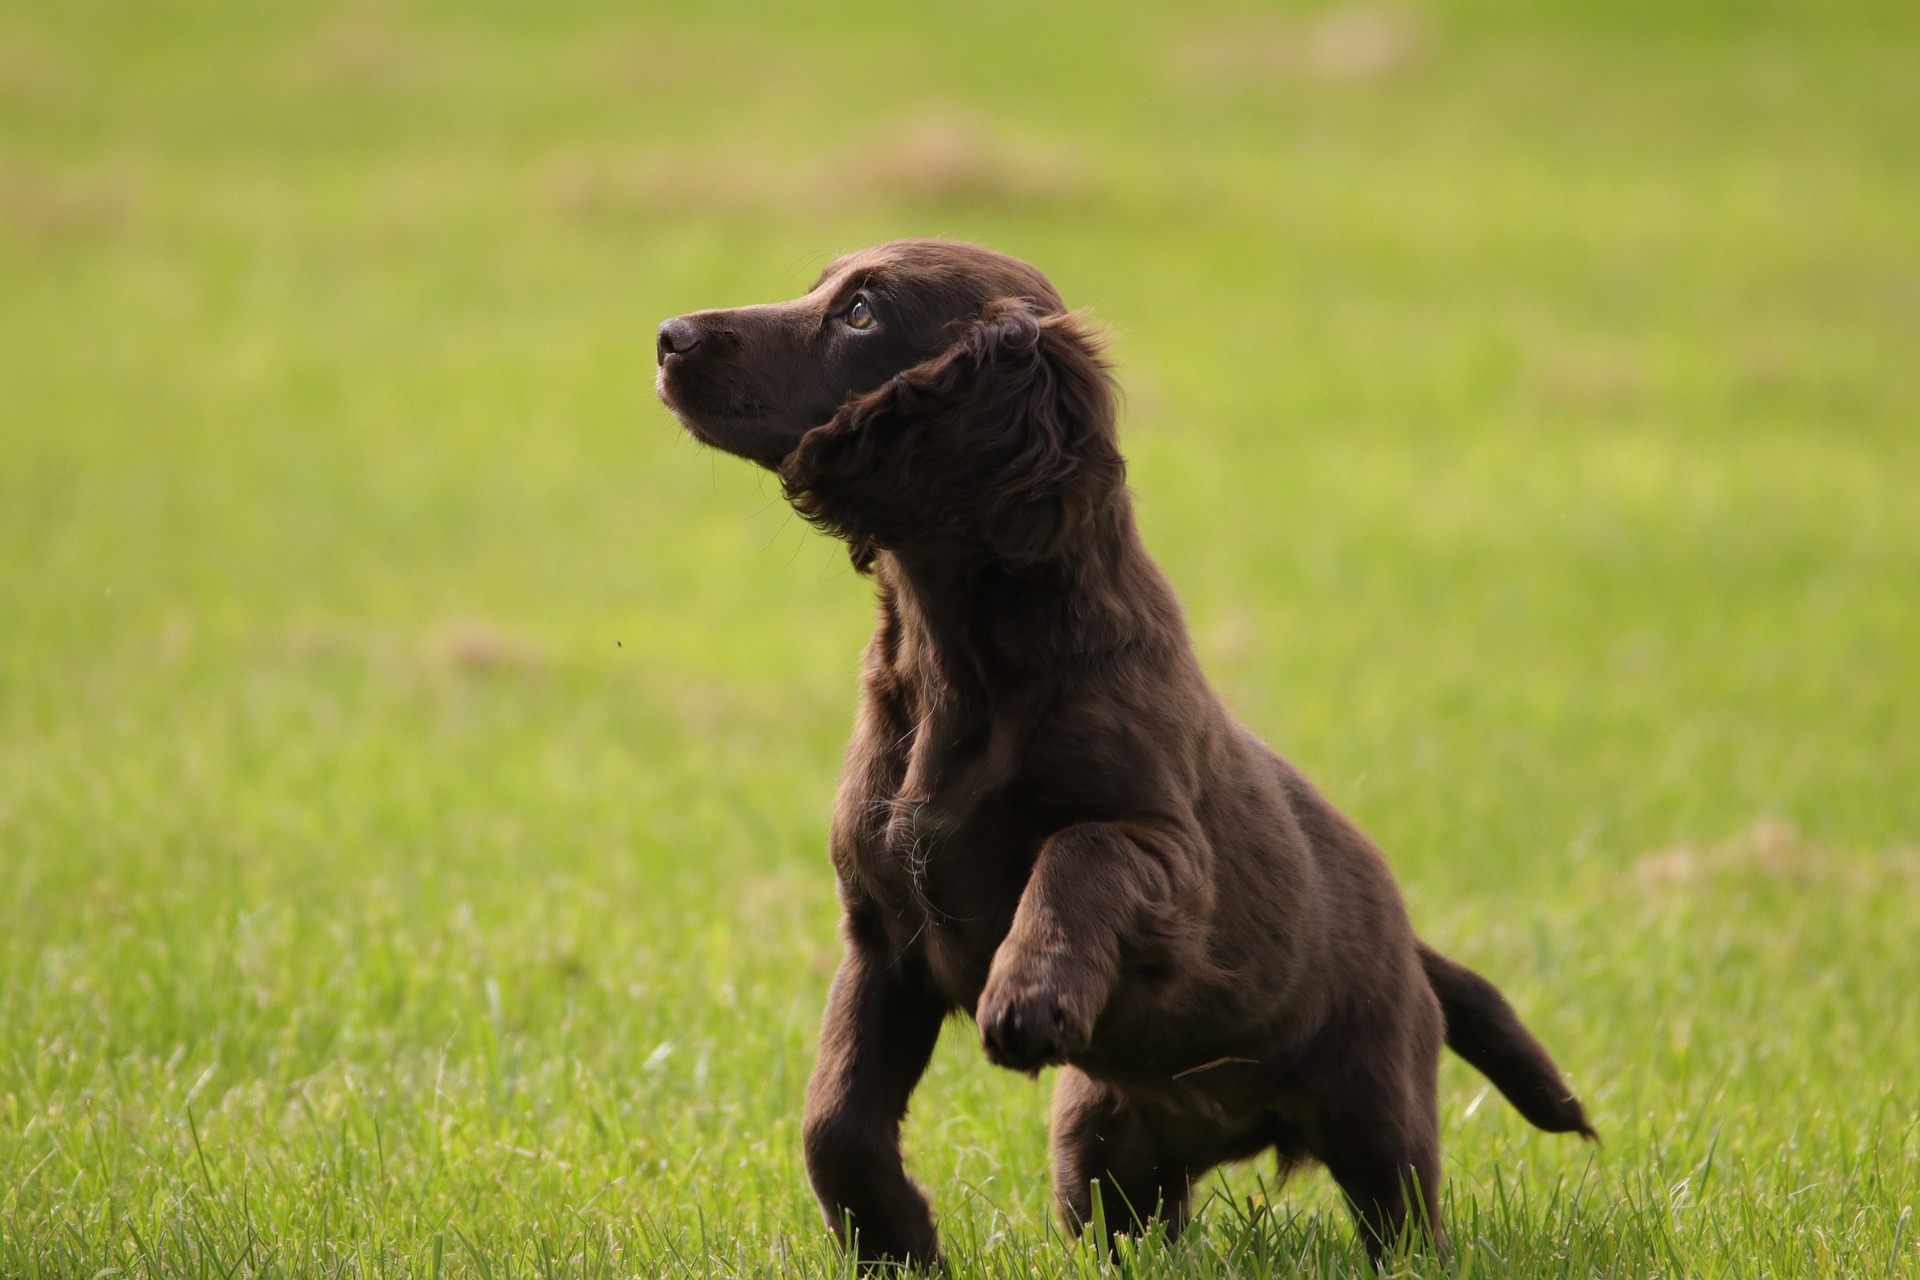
(948, 889)
(931, 837)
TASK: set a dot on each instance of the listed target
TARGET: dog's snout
(677, 337)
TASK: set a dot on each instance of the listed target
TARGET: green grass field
(415, 755)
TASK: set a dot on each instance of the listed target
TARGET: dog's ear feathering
(1002, 444)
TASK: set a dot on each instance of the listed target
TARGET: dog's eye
(860, 314)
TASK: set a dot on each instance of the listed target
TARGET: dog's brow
(827, 272)
(846, 267)
(853, 282)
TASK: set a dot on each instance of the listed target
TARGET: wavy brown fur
(1046, 818)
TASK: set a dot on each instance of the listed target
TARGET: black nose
(677, 337)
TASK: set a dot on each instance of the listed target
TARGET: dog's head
(925, 396)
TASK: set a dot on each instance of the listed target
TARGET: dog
(1046, 817)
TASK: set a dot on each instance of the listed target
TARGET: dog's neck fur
(980, 623)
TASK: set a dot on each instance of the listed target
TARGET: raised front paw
(1033, 1016)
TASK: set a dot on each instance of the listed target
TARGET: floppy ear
(1002, 444)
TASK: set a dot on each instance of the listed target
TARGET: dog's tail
(1483, 1028)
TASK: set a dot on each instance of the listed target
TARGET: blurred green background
(415, 755)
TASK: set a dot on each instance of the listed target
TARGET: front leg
(1101, 894)
(883, 1019)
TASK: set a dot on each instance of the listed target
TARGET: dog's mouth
(663, 388)
(743, 430)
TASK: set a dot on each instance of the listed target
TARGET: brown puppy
(1046, 817)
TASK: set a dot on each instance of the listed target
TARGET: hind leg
(1378, 1134)
(1105, 1147)
(1390, 1173)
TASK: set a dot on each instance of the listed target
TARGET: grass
(415, 756)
